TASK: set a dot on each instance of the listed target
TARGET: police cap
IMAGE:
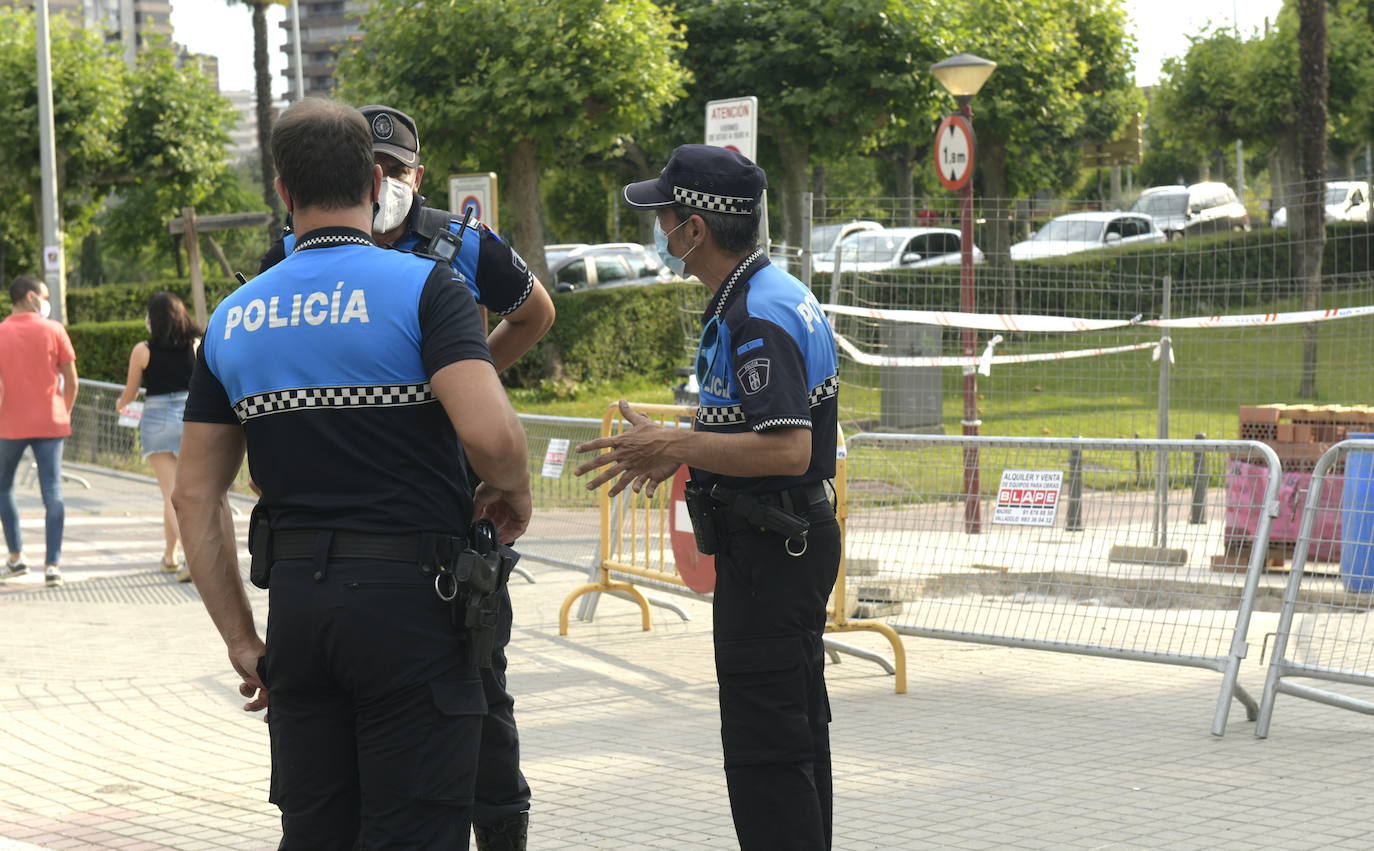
(393, 133)
(703, 177)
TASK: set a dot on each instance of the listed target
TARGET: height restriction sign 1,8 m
(954, 152)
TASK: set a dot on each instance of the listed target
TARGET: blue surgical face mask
(677, 264)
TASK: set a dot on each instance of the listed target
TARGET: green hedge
(114, 302)
(607, 335)
(102, 348)
(599, 336)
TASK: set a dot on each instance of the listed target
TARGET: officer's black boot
(508, 834)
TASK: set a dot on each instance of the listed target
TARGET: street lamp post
(963, 75)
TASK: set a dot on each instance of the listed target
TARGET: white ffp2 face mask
(392, 205)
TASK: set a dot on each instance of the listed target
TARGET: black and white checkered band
(724, 295)
(824, 390)
(722, 415)
(330, 240)
(713, 203)
(375, 396)
(783, 422)
(529, 288)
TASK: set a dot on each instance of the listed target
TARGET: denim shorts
(160, 428)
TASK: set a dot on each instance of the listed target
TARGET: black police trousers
(769, 618)
(501, 788)
(375, 718)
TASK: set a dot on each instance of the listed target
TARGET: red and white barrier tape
(1033, 323)
(984, 362)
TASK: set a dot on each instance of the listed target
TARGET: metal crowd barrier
(1326, 628)
(1149, 550)
(642, 538)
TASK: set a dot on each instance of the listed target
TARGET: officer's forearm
(509, 341)
(776, 452)
(207, 533)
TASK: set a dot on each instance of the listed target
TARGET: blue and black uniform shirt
(767, 360)
(325, 360)
(493, 271)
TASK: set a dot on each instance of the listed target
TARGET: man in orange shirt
(35, 411)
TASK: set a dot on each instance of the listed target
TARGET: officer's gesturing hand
(640, 456)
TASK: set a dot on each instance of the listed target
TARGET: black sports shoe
(12, 569)
(52, 576)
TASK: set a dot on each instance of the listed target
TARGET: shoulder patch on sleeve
(753, 376)
(749, 346)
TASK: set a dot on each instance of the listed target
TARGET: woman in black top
(162, 365)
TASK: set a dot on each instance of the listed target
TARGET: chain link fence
(1071, 303)
(1118, 548)
(1326, 627)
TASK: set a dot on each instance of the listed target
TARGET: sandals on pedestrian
(170, 568)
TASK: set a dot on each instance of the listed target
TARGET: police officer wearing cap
(496, 274)
(357, 379)
(760, 453)
(499, 280)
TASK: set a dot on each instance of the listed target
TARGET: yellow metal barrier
(636, 542)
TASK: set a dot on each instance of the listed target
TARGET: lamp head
(963, 75)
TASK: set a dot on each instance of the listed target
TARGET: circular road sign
(475, 203)
(954, 152)
(697, 571)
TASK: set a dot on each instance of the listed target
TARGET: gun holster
(761, 515)
(707, 522)
(259, 547)
(481, 570)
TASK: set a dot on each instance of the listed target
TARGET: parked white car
(1077, 232)
(1346, 201)
(824, 238)
(898, 248)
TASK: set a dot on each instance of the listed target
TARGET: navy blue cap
(393, 133)
(704, 177)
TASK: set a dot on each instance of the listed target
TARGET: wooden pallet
(1278, 559)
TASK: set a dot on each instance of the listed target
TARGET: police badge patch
(381, 127)
(753, 376)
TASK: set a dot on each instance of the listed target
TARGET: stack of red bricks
(1301, 433)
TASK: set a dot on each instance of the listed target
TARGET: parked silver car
(611, 264)
(897, 248)
(1077, 232)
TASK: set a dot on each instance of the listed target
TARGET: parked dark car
(1201, 208)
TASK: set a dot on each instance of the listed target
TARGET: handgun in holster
(481, 570)
(761, 515)
(707, 522)
(259, 547)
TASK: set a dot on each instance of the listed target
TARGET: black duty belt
(359, 545)
(798, 499)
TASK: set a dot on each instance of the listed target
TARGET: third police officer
(760, 453)
(499, 280)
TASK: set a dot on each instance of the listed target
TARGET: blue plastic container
(1357, 517)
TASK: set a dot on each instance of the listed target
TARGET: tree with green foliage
(521, 84)
(828, 74)
(1064, 78)
(89, 101)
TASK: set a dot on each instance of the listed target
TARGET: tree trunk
(903, 167)
(263, 82)
(818, 192)
(992, 165)
(522, 175)
(1311, 131)
(796, 167)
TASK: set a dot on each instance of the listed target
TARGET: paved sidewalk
(120, 728)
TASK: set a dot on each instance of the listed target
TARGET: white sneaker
(12, 569)
(52, 576)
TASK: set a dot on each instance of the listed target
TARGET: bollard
(1198, 514)
(1073, 516)
(1139, 467)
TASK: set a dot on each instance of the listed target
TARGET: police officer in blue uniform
(496, 274)
(760, 453)
(499, 280)
(357, 378)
